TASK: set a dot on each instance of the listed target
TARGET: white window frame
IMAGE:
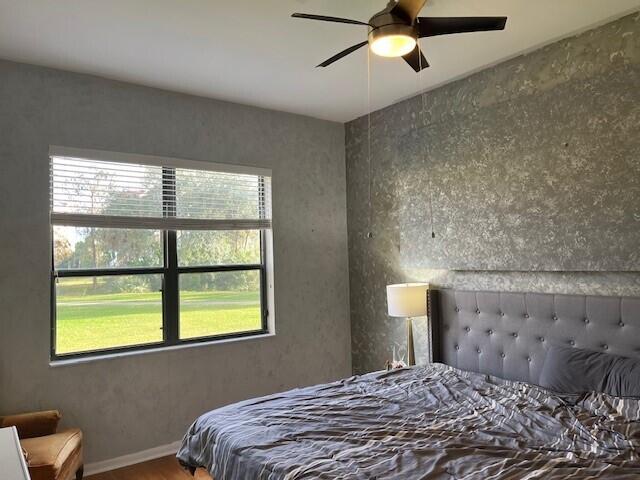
(266, 228)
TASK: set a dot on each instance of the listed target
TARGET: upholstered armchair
(50, 455)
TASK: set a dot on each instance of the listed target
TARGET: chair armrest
(36, 424)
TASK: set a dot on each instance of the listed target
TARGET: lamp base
(411, 355)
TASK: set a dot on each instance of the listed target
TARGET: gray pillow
(573, 370)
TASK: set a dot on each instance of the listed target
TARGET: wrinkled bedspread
(433, 422)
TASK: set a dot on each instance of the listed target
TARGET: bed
(475, 412)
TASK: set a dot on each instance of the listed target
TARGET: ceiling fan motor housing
(387, 27)
(392, 29)
(385, 23)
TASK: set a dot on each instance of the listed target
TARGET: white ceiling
(252, 52)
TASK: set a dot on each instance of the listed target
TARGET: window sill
(112, 356)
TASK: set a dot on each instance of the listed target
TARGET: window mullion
(219, 268)
(170, 297)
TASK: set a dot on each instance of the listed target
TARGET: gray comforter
(432, 422)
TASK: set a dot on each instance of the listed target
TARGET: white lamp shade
(407, 299)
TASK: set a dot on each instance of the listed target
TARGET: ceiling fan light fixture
(393, 45)
(395, 40)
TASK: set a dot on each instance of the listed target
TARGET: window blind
(96, 193)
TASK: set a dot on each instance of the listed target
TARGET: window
(150, 252)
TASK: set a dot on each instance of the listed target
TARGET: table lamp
(408, 300)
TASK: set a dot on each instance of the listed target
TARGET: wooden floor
(165, 468)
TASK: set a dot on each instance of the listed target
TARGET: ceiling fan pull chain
(433, 233)
(370, 214)
(422, 116)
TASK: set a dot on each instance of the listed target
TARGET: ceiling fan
(394, 31)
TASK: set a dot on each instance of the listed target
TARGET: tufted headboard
(507, 334)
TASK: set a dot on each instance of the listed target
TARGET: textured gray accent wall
(534, 169)
(128, 404)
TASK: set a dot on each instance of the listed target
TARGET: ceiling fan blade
(433, 26)
(328, 19)
(416, 59)
(408, 8)
(343, 53)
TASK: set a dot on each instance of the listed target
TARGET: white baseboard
(131, 459)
